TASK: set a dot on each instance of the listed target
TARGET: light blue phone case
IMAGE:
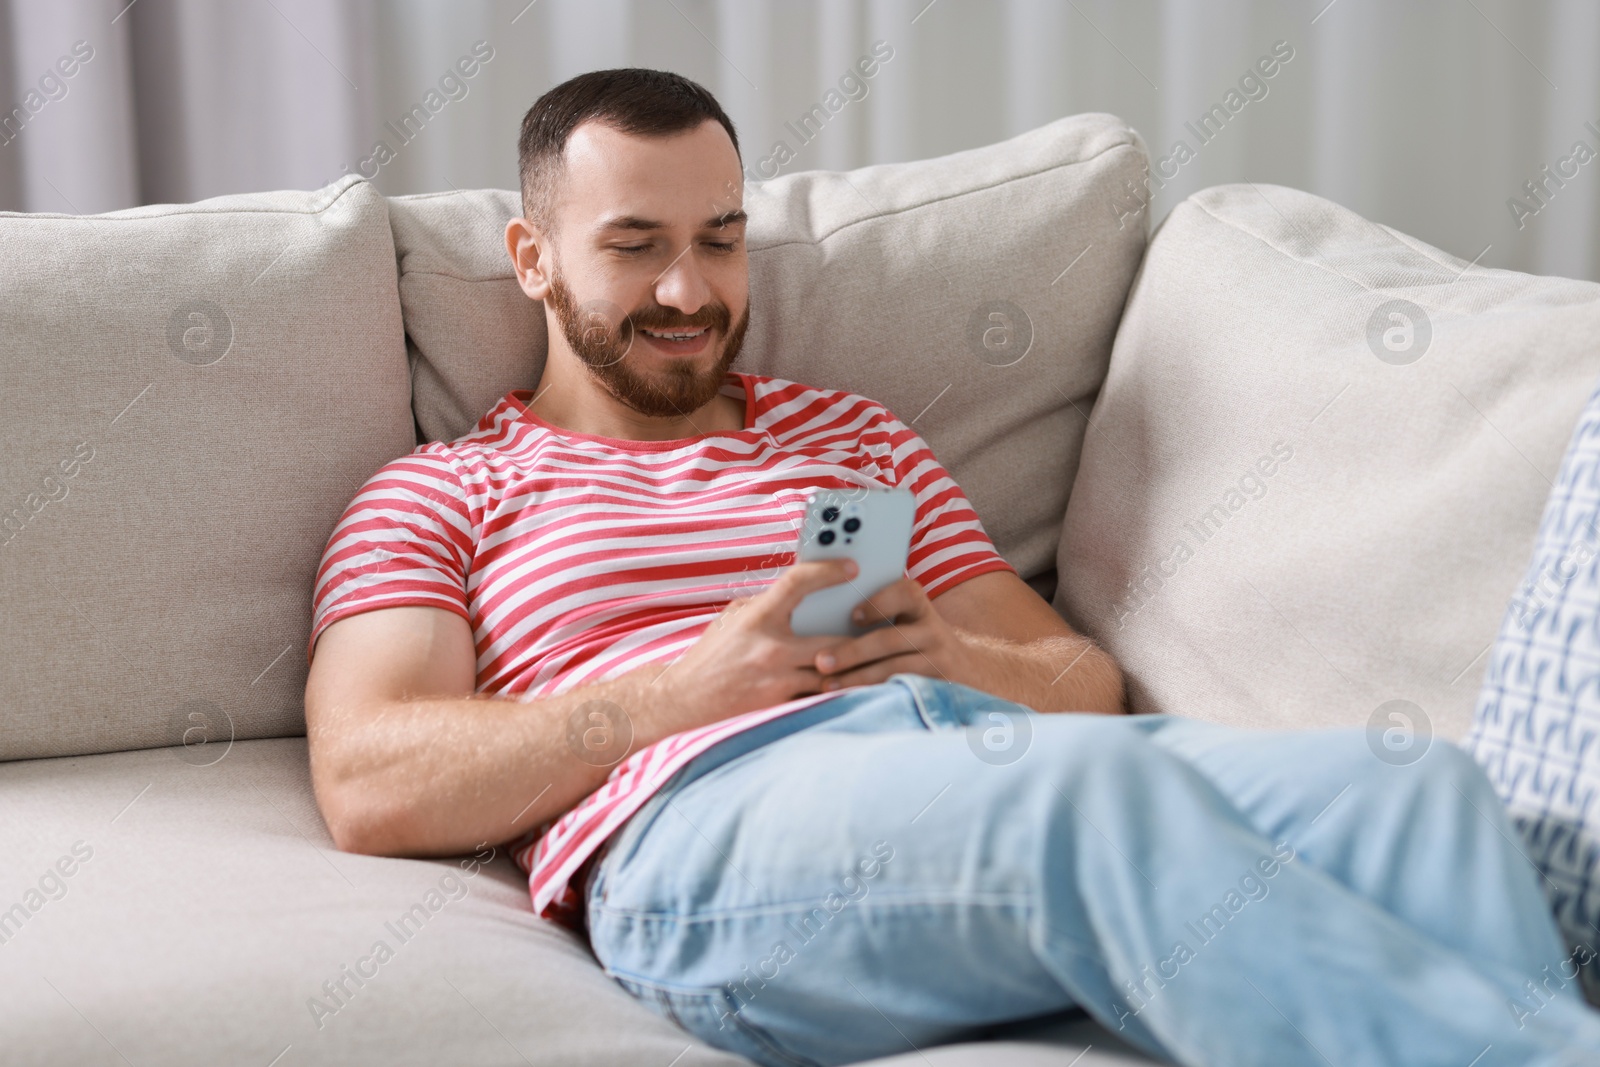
(870, 526)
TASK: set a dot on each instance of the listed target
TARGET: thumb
(778, 601)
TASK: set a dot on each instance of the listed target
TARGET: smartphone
(870, 526)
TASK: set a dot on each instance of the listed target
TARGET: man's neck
(581, 406)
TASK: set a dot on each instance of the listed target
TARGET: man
(824, 849)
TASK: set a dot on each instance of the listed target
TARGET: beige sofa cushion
(212, 907)
(189, 396)
(881, 281)
(1294, 508)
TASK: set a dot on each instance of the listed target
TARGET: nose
(682, 285)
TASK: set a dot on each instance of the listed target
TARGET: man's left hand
(918, 641)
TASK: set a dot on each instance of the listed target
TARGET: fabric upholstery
(1294, 508)
(882, 281)
(1537, 726)
(213, 907)
(189, 395)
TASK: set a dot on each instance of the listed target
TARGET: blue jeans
(917, 860)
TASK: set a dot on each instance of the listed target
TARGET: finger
(881, 671)
(902, 598)
(797, 582)
(842, 656)
(806, 682)
(803, 651)
(734, 605)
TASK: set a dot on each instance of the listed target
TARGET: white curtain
(1459, 121)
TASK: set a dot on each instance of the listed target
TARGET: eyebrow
(634, 222)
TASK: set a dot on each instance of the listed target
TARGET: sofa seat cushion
(976, 295)
(1314, 475)
(214, 906)
(186, 906)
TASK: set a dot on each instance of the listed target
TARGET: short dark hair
(634, 100)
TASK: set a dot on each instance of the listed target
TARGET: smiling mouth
(679, 342)
(676, 335)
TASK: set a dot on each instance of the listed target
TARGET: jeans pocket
(716, 1017)
(931, 703)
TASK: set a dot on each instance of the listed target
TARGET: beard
(602, 336)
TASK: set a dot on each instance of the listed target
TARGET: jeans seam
(879, 900)
(617, 974)
(662, 993)
(763, 1040)
(911, 684)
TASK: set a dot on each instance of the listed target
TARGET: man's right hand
(749, 657)
(408, 760)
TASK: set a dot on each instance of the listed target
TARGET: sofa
(1285, 463)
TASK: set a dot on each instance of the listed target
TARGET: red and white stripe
(551, 857)
(577, 558)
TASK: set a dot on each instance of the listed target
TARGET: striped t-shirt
(577, 558)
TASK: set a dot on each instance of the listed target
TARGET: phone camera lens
(826, 537)
(830, 515)
(852, 525)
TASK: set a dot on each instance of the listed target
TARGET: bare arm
(407, 760)
(1019, 645)
(1047, 673)
(993, 633)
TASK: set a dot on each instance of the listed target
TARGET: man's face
(650, 281)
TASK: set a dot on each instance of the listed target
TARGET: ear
(531, 257)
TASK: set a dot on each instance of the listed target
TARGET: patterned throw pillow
(1536, 730)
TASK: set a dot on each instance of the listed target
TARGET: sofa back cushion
(976, 295)
(1315, 472)
(189, 396)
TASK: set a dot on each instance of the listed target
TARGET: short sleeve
(406, 539)
(948, 543)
